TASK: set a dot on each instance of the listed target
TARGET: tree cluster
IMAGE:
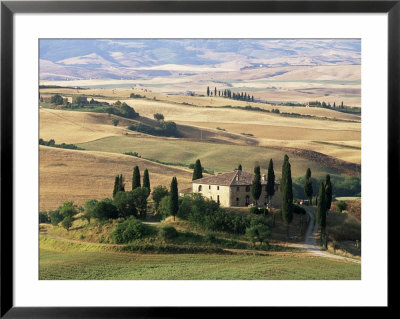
(242, 96)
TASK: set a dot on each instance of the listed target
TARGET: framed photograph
(163, 155)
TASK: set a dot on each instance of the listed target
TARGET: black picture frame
(9, 8)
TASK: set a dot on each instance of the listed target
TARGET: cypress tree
(287, 193)
(321, 208)
(121, 185)
(116, 183)
(197, 170)
(215, 91)
(256, 185)
(136, 178)
(328, 191)
(146, 179)
(308, 189)
(174, 205)
(271, 180)
(208, 91)
(239, 167)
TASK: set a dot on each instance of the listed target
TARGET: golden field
(81, 175)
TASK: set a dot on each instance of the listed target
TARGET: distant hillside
(132, 59)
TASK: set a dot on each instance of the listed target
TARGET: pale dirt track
(310, 243)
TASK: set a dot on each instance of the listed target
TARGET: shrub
(159, 192)
(254, 210)
(168, 232)
(129, 230)
(55, 217)
(258, 233)
(43, 218)
(115, 122)
(105, 210)
(67, 222)
(68, 209)
(88, 210)
(210, 237)
(125, 203)
(135, 96)
(164, 207)
(57, 99)
(341, 205)
(158, 116)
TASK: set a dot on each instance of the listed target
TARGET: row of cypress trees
(256, 185)
(119, 181)
(120, 186)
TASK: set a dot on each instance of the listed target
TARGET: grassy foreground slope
(77, 265)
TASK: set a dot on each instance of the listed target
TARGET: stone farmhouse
(234, 189)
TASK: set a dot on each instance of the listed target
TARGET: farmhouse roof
(237, 177)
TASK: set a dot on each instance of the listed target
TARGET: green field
(213, 156)
(77, 265)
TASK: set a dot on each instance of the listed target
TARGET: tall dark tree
(208, 91)
(256, 185)
(197, 170)
(308, 189)
(136, 178)
(146, 180)
(270, 180)
(239, 167)
(287, 192)
(215, 91)
(173, 204)
(140, 195)
(116, 184)
(321, 209)
(119, 185)
(328, 191)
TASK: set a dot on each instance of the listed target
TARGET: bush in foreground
(129, 230)
(168, 232)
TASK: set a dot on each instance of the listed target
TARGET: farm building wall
(235, 195)
(213, 192)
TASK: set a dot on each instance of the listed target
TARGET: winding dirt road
(311, 239)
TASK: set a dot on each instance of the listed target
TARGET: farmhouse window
(217, 188)
(247, 200)
(209, 186)
(247, 188)
(237, 201)
(200, 188)
(218, 199)
(237, 188)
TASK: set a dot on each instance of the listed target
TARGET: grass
(338, 145)
(213, 156)
(102, 265)
(342, 226)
